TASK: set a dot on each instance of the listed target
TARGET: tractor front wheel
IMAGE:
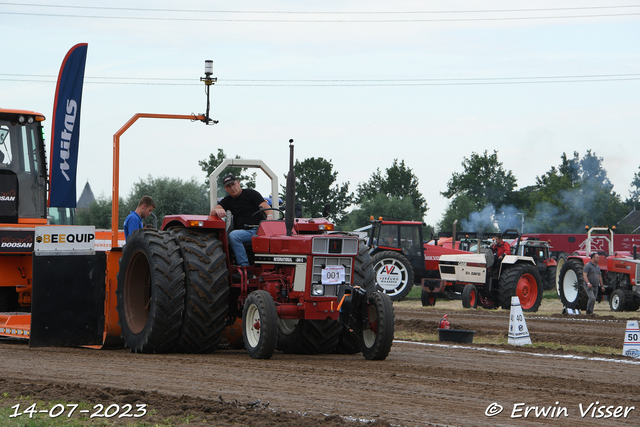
(572, 293)
(260, 325)
(523, 281)
(487, 302)
(377, 339)
(470, 296)
(393, 273)
(428, 299)
(363, 276)
(617, 300)
(150, 292)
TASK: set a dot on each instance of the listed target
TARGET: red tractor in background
(620, 274)
(401, 259)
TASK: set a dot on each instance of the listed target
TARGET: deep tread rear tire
(470, 296)
(309, 336)
(570, 281)
(393, 273)
(376, 341)
(207, 291)
(260, 325)
(150, 292)
(522, 280)
(632, 302)
(551, 275)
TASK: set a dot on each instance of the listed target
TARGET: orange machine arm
(116, 163)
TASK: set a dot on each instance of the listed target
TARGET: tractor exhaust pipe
(291, 193)
(453, 240)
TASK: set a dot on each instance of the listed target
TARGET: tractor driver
(243, 204)
(501, 248)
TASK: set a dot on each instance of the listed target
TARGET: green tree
(635, 188)
(173, 196)
(575, 194)
(214, 160)
(399, 182)
(99, 214)
(315, 187)
(484, 181)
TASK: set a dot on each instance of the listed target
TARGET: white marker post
(518, 332)
(632, 340)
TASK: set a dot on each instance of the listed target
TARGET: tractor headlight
(317, 290)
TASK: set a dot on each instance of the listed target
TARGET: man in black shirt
(242, 203)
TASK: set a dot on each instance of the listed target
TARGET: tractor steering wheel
(262, 210)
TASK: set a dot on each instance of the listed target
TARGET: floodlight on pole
(208, 81)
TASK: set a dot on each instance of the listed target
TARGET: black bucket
(455, 335)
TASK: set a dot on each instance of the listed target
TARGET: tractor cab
(23, 172)
(404, 237)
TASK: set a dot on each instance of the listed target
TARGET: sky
(360, 83)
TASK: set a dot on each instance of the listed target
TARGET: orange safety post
(116, 163)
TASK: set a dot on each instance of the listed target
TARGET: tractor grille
(319, 262)
(335, 245)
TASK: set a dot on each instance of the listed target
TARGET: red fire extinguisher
(444, 323)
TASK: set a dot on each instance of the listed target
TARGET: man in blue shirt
(146, 205)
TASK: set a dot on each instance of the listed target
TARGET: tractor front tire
(562, 259)
(363, 276)
(617, 300)
(393, 274)
(523, 281)
(487, 302)
(377, 339)
(572, 293)
(207, 291)
(428, 299)
(260, 325)
(470, 296)
(150, 292)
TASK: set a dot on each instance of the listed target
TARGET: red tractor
(620, 275)
(308, 289)
(402, 259)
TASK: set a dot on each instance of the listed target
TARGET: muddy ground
(420, 384)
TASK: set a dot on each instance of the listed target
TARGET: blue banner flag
(65, 129)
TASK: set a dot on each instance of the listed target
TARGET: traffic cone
(518, 332)
(631, 346)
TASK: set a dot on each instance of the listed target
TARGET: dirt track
(428, 383)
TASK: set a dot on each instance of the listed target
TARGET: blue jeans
(237, 239)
